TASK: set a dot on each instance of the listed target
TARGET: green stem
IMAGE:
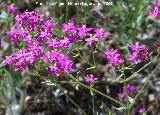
(149, 77)
(94, 61)
(134, 74)
(66, 12)
(96, 91)
(106, 96)
(93, 105)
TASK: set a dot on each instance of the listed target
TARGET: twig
(149, 77)
(134, 74)
(96, 91)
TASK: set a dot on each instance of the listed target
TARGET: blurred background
(126, 20)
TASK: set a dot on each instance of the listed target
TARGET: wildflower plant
(41, 41)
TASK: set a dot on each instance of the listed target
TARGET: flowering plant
(55, 47)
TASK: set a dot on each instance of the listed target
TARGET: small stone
(151, 97)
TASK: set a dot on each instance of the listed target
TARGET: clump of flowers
(140, 110)
(31, 33)
(138, 52)
(59, 62)
(36, 39)
(90, 78)
(114, 57)
(11, 8)
(129, 88)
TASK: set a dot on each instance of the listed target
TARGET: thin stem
(134, 74)
(93, 105)
(94, 61)
(125, 90)
(67, 82)
(96, 91)
(66, 12)
(11, 92)
(84, 113)
(149, 77)
(106, 96)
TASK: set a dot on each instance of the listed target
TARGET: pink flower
(83, 30)
(114, 57)
(130, 88)
(91, 40)
(90, 78)
(101, 33)
(54, 42)
(70, 26)
(139, 53)
(54, 69)
(139, 110)
(11, 8)
(48, 24)
(121, 94)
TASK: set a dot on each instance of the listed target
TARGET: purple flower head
(64, 42)
(48, 24)
(70, 26)
(54, 42)
(139, 53)
(114, 57)
(30, 21)
(62, 62)
(155, 11)
(45, 35)
(130, 88)
(11, 8)
(121, 94)
(83, 30)
(73, 37)
(54, 69)
(9, 60)
(91, 40)
(18, 59)
(90, 78)
(16, 34)
(139, 110)
(35, 46)
(101, 32)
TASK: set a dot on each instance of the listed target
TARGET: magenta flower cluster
(129, 88)
(114, 57)
(11, 8)
(35, 36)
(138, 53)
(90, 78)
(59, 61)
(33, 33)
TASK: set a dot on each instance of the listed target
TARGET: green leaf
(68, 75)
(121, 108)
(4, 15)
(1, 64)
(131, 100)
(54, 19)
(91, 68)
(158, 51)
